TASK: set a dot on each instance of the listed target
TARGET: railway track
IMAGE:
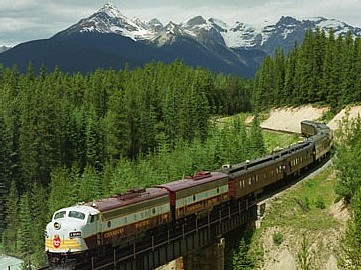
(280, 131)
(264, 128)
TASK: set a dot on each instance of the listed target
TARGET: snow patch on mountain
(4, 48)
(109, 19)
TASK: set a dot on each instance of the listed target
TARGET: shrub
(320, 203)
(277, 238)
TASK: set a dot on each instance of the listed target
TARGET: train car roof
(251, 165)
(200, 178)
(133, 196)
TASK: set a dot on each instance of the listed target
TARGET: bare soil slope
(289, 119)
(351, 112)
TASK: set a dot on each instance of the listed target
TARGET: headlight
(57, 225)
(75, 234)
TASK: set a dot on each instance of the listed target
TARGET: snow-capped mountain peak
(109, 19)
(111, 10)
(266, 37)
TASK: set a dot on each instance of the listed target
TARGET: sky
(25, 20)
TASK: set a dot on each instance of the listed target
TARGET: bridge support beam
(210, 257)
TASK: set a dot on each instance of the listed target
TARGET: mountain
(4, 48)
(284, 33)
(109, 39)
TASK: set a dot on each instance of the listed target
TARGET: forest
(70, 138)
(66, 138)
(324, 69)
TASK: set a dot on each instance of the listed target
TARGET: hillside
(289, 118)
(313, 231)
(285, 222)
(287, 231)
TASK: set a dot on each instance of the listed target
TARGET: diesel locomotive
(81, 228)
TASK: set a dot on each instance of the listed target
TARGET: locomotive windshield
(60, 214)
(76, 214)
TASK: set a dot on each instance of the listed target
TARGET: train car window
(194, 197)
(60, 214)
(249, 181)
(76, 214)
(153, 211)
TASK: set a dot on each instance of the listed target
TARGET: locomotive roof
(199, 178)
(133, 196)
(82, 208)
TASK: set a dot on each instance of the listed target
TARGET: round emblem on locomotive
(56, 241)
(57, 225)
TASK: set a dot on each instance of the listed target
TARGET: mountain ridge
(211, 43)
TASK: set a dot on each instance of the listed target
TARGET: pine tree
(124, 177)
(25, 230)
(90, 185)
(257, 147)
(12, 220)
(94, 142)
(352, 240)
(241, 259)
(349, 158)
(303, 255)
(348, 75)
(290, 86)
(64, 188)
(39, 211)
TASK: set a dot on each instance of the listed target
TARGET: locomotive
(76, 230)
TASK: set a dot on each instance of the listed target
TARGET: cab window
(76, 214)
(93, 218)
(60, 214)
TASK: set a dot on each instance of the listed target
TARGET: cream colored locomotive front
(69, 227)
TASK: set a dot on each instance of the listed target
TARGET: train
(76, 230)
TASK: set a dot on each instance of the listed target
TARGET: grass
(273, 139)
(306, 205)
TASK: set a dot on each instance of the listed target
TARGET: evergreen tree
(257, 147)
(25, 229)
(303, 255)
(90, 185)
(348, 75)
(94, 142)
(123, 177)
(352, 240)
(64, 188)
(348, 158)
(332, 70)
(241, 259)
(290, 86)
(39, 211)
(12, 220)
